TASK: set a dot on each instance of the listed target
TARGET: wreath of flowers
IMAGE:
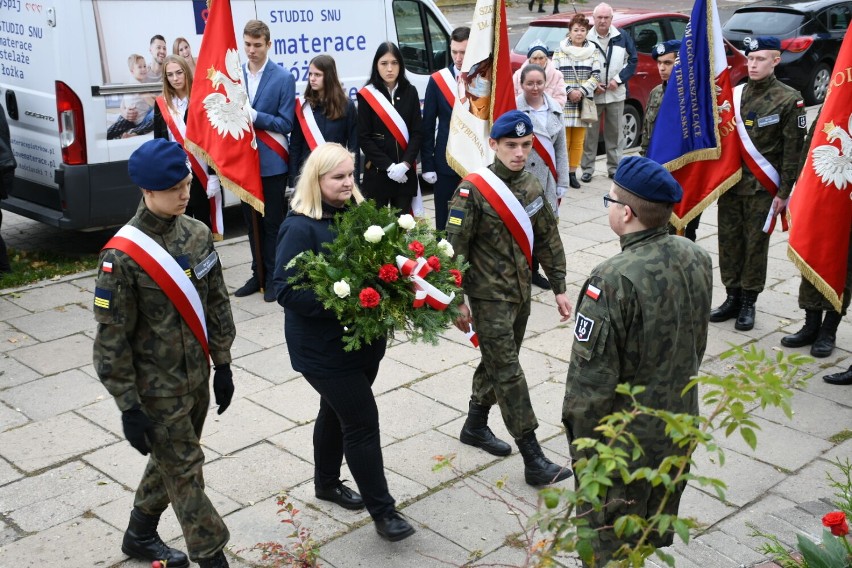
(384, 273)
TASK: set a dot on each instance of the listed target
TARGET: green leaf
(817, 557)
(665, 557)
(681, 527)
(750, 437)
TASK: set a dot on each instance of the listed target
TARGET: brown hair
(333, 99)
(256, 28)
(169, 92)
(649, 213)
(581, 20)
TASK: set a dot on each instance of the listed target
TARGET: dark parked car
(810, 34)
(647, 29)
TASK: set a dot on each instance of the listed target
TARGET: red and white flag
(486, 75)
(821, 205)
(219, 127)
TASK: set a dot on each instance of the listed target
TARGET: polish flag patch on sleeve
(593, 292)
(106, 266)
(464, 192)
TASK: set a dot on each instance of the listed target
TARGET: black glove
(223, 386)
(138, 429)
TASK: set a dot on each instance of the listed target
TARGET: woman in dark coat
(390, 172)
(334, 113)
(348, 419)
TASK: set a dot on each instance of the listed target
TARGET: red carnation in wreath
(457, 275)
(434, 263)
(388, 273)
(417, 248)
(369, 298)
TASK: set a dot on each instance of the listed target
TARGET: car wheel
(632, 126)
(818, 85)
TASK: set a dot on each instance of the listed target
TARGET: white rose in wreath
(341, 288)
(446, 247)
(407, 222)
(374, 233)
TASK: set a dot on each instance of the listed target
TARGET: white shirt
(253, 80)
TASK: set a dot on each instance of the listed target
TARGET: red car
(647, 29)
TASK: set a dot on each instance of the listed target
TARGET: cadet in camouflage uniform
(149, 360)
(774, 118)
(818, 333)
(498, 286)
(641, 318)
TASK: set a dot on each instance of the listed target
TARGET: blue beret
(760, 43)
(671, 46)
(512, 124)
(537, 46)
(158, 164)
(647, 179)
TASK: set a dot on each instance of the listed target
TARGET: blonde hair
(307, 199)
(169, 92)
(131, 61)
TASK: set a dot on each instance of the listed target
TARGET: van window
(414, 41)
(440, 43)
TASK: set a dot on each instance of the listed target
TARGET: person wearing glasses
(641, 319)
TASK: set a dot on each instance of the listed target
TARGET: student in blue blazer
(272, 95)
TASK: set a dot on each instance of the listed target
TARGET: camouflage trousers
(499, 377)
(173, 474)
(812, 299)
(743, 246)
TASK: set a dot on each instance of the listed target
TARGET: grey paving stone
(730, 547)
(12, 338)
(540, 367)
(54, 394)
(298, 441)
(244, 424)
(12, 373)
(404, 413)
(11, 417)
(840, 452)
(393, 374)
(246, 384)
(10, 310)
(451, 387)
(104, 413)
(760, 515)
(242, 347)
(809, 415)
(431, 358)
(8, 474)
(51, 357)
(60, 321)
(809, 483)
(700, 555)
(51, 441)
(747, 479)
(703, 507)
(8, 534)
(44, 297)
(266, 331)
(272, 365)
(120, 461)
(554, 343)
(779, 445)
(509, 472)
(65, 545)
(256, 473)
(296, 400)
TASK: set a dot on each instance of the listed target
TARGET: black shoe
(341, 495)
(269, 294)
(532, 2)
(809, 332)
(218, 561)
(541, 10)
(844, 378)
(824, 344)
(252, 286)
(730, 308)
(538, 470)
(745, 319)
(393, 527)
(476, 432)
(142, 542)
(572, 180)
(539, 280)
(586, 178)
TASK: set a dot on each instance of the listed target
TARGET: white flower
(341, 288)
(406, 222)
(374, 233)
(446, 247)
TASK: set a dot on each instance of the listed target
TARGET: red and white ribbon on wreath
(424, 293)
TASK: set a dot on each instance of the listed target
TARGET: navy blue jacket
(275, 102)
(314, 334)
(343, 130)
(436, 109)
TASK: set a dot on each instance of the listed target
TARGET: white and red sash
(544, 147)
(763, 171)
(169, 276)
(177, 128)
(386, 112)
(276, 141)
(507, 206)
(447, 84)
(308, 123)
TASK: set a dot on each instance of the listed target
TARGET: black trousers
(444, 189)
(199, 204)
(275, 207)
(348, 424)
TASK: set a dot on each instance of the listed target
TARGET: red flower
(434, 262)
(457, 275)
(369, 298)
(836, 522)
(388, 273)
(417, 248)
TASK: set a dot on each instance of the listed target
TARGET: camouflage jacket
(655, 99)
(143, 347)
(774, 117)
(498, 268)
(641, 318)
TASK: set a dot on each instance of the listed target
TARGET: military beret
(671, 46)
(512, 124)
(760, 43)
(158, 164)
(537, 46)
(647, 179)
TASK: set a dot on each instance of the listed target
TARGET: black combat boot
(809, 332)
(824, 344)
(142, 542)
(218, 561)
(844, 378)
(538, 470)
(572, 180)
(745, 320)
(730, 308)
(476, 432)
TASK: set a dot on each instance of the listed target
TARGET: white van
(64, 72)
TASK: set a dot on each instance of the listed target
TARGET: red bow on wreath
(424, 293)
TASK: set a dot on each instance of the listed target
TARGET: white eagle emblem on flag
(228, 112)
(833, 165)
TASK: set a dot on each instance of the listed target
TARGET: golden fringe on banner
(811, 276)
(227, 183)
(680, 223)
